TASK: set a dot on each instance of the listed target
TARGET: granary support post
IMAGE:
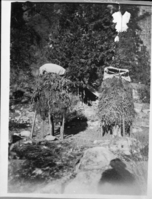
(62, 127)
(123, 125)
(51, 122)
(33, 124)
(123, 119)
(42, 133)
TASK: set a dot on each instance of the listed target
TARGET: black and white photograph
(79, 98)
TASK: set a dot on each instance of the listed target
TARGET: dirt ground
(80, 134)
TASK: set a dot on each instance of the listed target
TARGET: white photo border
(5, 79)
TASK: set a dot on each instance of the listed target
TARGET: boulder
(37, 171)
(138, 107)
(136, 129)
(27, 142)
(89, 173)
(86, 182)
(124, 145)
(96, 158)
(146, 111)
(25, 134)
(93, 164)
(54, 187)
(50, 138)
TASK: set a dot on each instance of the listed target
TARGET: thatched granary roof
(115, 101)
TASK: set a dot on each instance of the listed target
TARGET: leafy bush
(52, 98)
(52, 93)
(144, 95)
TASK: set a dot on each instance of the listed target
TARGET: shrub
(52, 97)
(144, 95)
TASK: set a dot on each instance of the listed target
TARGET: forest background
(77, 36)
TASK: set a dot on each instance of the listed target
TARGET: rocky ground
(76, 165)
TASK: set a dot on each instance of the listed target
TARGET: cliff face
(145, 25)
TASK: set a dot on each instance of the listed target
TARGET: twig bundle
(116, 102)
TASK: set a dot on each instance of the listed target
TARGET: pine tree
(83, 41)
(76, 36)
(130, 52)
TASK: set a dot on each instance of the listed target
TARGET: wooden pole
(101, 130)
(42, 134)
(50, 124)
(33, 124)
(62, 127)
(130, 132)
(123, 124)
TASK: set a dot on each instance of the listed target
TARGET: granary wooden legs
(62, 127)
(42, 133)
(116, 130)
(123, 126)
(33, 124)
(51, 124)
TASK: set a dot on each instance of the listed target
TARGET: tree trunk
(62, 127)
(33, 124)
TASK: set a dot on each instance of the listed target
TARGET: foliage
(30, 28)
(80, 37)
(83, 42)
(54, 161)
(52, 94)
(115, 102)
(144, 95)
(130, 51)
(76, 36)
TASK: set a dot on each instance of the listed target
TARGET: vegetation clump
(116, 102)
(52, 98)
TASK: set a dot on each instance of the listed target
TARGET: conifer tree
(130, 52)
(76, 36)
(83, 41)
